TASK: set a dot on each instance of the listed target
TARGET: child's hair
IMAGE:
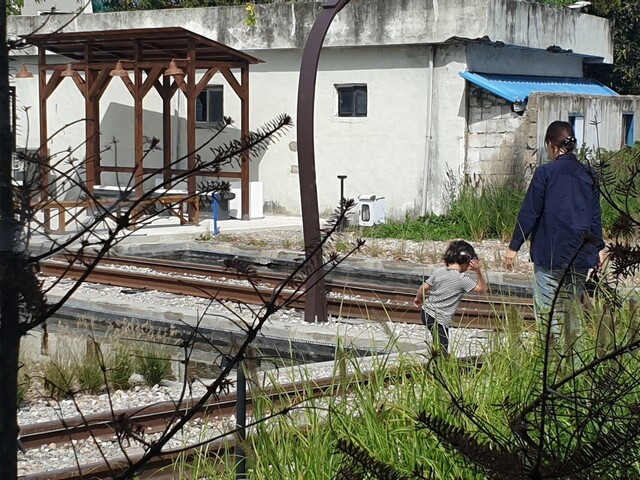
(459, 252)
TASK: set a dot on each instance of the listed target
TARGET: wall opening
(628, 129)
(577, 122)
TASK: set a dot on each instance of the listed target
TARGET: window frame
(577, 123)
(207, 90)
(628, 129)
(354, 89)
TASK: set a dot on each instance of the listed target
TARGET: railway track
(157, 417)
(346, 299)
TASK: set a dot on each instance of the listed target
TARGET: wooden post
(91, 117)
(138, 126)
(244, 133)
(191, 126)
(166, 131)
(43, 151)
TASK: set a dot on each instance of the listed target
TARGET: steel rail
(155, 418)
(350, 300)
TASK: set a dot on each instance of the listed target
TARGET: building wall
(603, 118)
(362, 23)
(496, 151)
(381, 153)
(509, 60)
(416, 128)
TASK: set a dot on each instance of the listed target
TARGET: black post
(241, 421)
(9, 263)
(342, 177)
(343, 221)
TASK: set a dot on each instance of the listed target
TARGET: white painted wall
(381, 153)
(606, 110)
(35, 7)
(449, 122)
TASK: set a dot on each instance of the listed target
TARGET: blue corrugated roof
(517, 88)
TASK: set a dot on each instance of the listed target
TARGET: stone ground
(491, 252)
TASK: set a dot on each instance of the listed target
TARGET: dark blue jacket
(561, 212)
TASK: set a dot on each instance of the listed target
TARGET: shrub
(121, 365)
(59, 378)
(24, 382)
(153, 364)
(90, 375)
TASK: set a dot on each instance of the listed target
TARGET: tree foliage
(13, 7)
(120, 5)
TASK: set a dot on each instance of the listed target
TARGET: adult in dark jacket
(561, 214)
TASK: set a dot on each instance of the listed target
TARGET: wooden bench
(175, 203)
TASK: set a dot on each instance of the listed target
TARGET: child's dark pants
(442, 338)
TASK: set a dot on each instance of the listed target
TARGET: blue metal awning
(517, 88)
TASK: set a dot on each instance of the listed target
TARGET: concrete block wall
(495, 139)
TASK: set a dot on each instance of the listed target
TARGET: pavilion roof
(156, 44)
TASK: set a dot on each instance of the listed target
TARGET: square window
(209, 105)
(352, 101)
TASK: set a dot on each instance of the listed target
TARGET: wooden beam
(45, 89)
(152, 76)
(52, 84)
(129, 64)
(204, 81)
(231, 79)
(131, 86)
(100, 83)
(80, 83)
(90, 126)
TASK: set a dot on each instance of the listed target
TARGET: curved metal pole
(315, 297)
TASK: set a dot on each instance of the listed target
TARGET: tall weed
(154, 364)
(476, 214)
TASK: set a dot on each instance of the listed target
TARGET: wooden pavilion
(166, 59)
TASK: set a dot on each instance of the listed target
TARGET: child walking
(440, 295)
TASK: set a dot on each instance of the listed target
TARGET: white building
(393, 111)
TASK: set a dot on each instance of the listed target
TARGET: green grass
(154, 364)
(476, 214)
(90, 375)
(120, 367)
(59, 378)
(491, 212)
(393, 419)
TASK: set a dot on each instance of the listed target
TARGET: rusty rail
(348, 300)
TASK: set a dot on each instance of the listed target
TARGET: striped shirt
(447, 287)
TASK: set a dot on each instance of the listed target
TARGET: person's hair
(561, 135)
(459, 252)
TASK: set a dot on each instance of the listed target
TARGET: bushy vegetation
(476, 214)
(620, 186)
(68, 372)
(491, 212)
(154, 364)
(523, 412)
